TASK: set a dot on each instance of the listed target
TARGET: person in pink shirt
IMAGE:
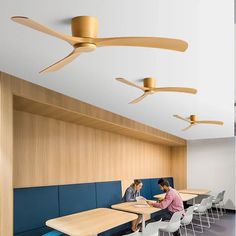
(172, 202)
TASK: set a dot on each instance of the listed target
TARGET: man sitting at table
(172, 202)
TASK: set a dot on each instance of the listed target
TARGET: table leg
(194, 202)
(143, 223)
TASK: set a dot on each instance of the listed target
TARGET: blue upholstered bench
(34, 206)
(53, 233)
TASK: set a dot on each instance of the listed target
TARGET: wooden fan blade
(181, 118)
(44, 29)
(176, 89)
(139, 98)
(122, 80)
(213, 122)
(188, 127)
(58, 65)
(152, 42)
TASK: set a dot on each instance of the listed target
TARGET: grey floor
(225, 226)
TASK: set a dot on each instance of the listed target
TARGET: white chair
(173, 225)
(222, 201)
(216, 203)
(152, 229)
(201, 210)
(209, 208)
(187, 220)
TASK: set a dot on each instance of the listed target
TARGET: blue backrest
(108, 193)
(34, 206)
(171, 181)
(146, 189)
(76, 198)
(155, 189)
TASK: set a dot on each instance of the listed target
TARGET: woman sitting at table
(130, 195)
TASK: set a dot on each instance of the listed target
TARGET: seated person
(172, 202)
(130, 195)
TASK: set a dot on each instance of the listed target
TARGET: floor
(225, 226)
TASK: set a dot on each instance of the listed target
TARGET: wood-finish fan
(84, 39)
(149, 87)
(192, 120)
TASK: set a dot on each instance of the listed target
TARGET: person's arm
(129, 196)
(164, 203)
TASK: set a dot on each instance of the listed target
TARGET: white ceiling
(207, 64)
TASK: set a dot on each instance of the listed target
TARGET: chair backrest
(152, 229)
(222, 195)
(188, 216)
(203, 205)
(209, 203)
(174, 222)
(218, 198)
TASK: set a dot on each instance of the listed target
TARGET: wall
(179, 166)
(49, 151)
(211, 165)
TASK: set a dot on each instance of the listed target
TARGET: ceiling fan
(84, 39)
(192, 120)
(149, 87)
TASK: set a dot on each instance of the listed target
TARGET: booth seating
(35, 205)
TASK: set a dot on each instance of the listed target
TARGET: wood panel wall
(49, 151)
(179, 166)
(6, 159)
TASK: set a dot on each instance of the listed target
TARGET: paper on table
(140, 198)
(141, 205)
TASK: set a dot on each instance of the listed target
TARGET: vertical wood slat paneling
(179, 166)
(6, 159)
(49, 151)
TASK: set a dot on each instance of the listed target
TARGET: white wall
(211, 165)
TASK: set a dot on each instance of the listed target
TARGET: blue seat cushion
(34, 232)
(53, 233)
(34, 206)
(108, 193)
(75, 198)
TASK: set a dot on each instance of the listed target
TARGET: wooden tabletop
(136, 207)
(195, 191)
(185, 196)
(90, 222)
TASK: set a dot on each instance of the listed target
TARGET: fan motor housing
(149, 82)
(84, 26)
(193, 118)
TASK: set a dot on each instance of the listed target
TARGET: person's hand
(150, 203)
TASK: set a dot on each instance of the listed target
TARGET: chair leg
(218, 216)
(213, 216)
(185, 230)
(208, 220)
(224, 208)
(221, 211)
(193, 229)
(200, 218)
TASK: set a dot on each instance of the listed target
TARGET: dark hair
(136, 182)
(163, 182)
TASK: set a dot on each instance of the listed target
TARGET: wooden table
(195, 191)
(90, 222)
(185, 196)
(136, 207)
